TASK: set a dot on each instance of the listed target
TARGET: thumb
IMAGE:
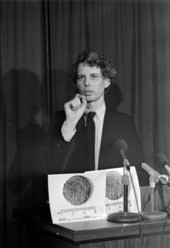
(84, 102)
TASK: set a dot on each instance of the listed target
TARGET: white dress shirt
(98, 119)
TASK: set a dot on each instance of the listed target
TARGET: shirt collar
(101, 111)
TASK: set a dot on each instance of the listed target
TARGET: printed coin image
(77, 190)
(114, 186)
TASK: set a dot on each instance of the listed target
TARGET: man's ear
(107, 82)
(77, 88)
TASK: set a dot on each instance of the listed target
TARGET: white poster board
(65, 206)
(101, 195)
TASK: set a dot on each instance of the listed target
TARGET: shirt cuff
(67, 133)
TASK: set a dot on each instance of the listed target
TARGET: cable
(140, 220)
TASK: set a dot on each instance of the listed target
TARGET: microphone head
(121, 145)
(162, 159)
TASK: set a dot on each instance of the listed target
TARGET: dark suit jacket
(71, 157)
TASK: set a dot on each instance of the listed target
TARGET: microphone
(122, 147)
(155, 176)
(163, 161)
(153, 173)
(125, 216)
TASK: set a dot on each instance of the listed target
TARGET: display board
(91, 195)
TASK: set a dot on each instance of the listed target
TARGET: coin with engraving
(114, 186)
(77, 189)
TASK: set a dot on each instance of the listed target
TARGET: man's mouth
(88, 93)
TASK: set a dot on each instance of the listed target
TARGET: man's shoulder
(118, 114)
(120, 121)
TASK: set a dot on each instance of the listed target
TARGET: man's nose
(86, 81)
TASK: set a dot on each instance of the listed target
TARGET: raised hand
(74, 110)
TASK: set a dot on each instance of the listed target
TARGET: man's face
(91, 83)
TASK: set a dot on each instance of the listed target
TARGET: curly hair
(92, 58)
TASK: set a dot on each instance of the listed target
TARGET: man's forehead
(84, 68)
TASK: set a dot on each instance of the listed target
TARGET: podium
(93, 234)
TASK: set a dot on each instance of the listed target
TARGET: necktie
(90, 131)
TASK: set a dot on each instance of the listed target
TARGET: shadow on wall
(64, 88)
(25, 146)
(25, 137)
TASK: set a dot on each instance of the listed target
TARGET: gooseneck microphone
(125, 216)
(163, 162)
(155, 175)
(122, 147)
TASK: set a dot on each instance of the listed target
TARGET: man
(94, 74)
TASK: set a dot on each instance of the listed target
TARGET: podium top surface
(91, 230)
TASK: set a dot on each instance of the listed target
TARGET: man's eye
(79, 77)
(94, 76)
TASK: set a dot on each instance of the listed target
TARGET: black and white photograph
(85, 90)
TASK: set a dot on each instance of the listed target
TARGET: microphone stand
(153, 214)
(125, 216)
